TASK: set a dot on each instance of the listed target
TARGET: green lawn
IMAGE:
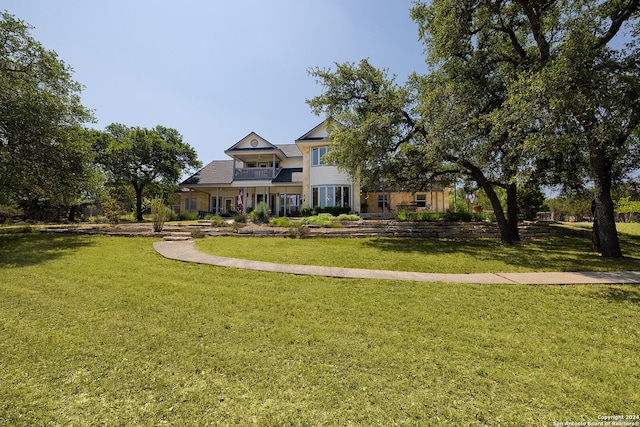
(103, 331)
(435, 255)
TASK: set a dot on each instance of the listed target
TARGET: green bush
(298, 231)
(333, 210)
(112, 209)
(306, 211)
(348, 217)
(216, 220)
(322, 220)
(197, 233)
(9, 211)
(188, 216)
(458, 216)
(159, 214)
(261, 213)
(405, 215)
(239, 219)
(280, 222)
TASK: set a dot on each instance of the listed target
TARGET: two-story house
(285, 176)
(290, 176)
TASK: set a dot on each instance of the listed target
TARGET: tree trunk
(512, 211)
(506, 235)
(72, 213)
(595, 232)
(138, 188)
(604, 215)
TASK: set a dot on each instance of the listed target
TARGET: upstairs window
(317, 155)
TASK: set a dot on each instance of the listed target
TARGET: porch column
(255, 197)
(273, 167)
(217, 200)
(190, 202)
(284, 210)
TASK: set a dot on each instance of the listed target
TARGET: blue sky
(217, 70)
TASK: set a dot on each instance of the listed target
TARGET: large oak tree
(514, 89)
(140, 157)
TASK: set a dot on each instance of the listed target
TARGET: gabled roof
(246, 143)
(319, 133)
(216, 172)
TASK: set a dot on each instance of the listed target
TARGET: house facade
(288, 177)
(285, 176)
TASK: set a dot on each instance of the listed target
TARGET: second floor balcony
(255, 173)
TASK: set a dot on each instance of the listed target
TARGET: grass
(103, 331)
(570, 253)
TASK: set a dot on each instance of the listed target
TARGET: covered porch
(238, 199)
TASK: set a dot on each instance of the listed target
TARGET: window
(317, 155)
(327, 196)
(190, 204)
(421, 200)
(382, 201)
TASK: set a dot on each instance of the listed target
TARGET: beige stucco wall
(437, 201)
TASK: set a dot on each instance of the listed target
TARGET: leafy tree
(515, 89)
(409, 136)
(530, 200)
(141, 157)
(44, 158)
(573, 105)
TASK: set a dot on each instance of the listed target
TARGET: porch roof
(216, 172)
(288, 175)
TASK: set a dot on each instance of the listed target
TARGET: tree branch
(618, 17)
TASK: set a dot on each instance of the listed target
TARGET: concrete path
(186, 251)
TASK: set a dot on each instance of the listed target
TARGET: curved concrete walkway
(186, 251)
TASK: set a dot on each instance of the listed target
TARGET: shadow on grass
(567, 253)
(628, 294)
(24, 249)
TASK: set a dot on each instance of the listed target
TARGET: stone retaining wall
(389, 228)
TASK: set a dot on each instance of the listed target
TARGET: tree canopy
(43, 155)
(515, 90)
(140, 157)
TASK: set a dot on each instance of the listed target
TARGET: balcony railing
(255, 173)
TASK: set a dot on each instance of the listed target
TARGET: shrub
(112, 209)
(197, 233)
(9, 211)
(159, 214)
(348, 217)
(188, 216)
(261, 213)
(458, 216)
(239, 218)
(429, 216)
(298, 231)
(333, 210)
(306, 211)
(216, 220)
(280, 222)
(405, 215)
(322, 220)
